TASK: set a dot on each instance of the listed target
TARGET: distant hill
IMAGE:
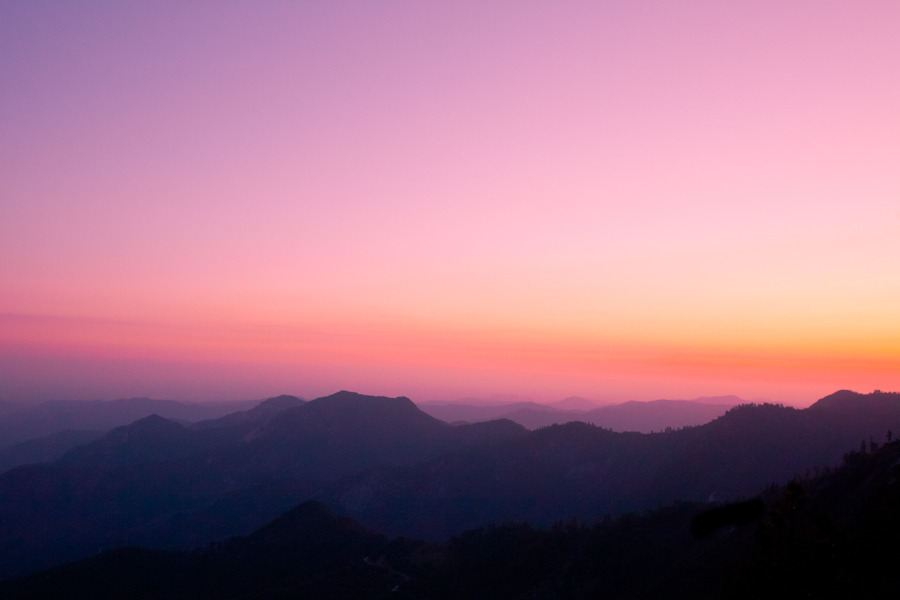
(147, 440)
(644, 417)
(45, 449)
(28, 421)
(61, 418)
(656, 415)
(574, 403)
(254, 416)
(474, 413)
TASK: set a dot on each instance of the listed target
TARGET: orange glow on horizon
(483, 355)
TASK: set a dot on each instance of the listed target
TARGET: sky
(615, 200)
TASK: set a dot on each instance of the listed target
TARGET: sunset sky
(617, 200)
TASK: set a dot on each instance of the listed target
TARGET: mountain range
(21, 422)
(645, 417)
(172, 486)
(42, 432)
(832, 535)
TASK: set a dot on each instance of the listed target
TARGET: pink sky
(618, 200)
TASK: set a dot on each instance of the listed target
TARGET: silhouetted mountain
(309, 552)
(45, 449)
(533, 417)
(255, 416)
(728, 400)
(333, 437)
(628, 416)
(488, 432)
(873, 407)
(151, 439)
(231, 511)
(51, 415)
(578, 469)
(54, 446)
(655, 415)
(574, 403)
(475, 413)
(157, 481)
(33, 421)
(120, 490)
(830, 536)
(52, 513)
(398, 470)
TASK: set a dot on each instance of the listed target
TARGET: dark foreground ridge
(830, 536)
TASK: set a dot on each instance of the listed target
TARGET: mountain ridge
(398, 470)
(138, 480)
(22, 422)
(642, 416)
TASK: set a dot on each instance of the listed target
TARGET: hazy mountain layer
(160, 482)
(22, 422)
(394, 468)
(644, 417)
(578, 469)
(45, 449)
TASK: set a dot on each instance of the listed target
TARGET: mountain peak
(153, 424)
(150, 439)
(849, 400)
(345, 400)
(347, 414)
(575, 403)
(279, 403)
(838, 397)
(348, 396)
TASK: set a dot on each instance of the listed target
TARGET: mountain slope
(307, 552)
(577, 469)
(25, 422)
(253, 417)
(474, 413)
(655, 415)
(151, 439)
(398, 470)
(45, 449)
(157, 481)
(831, 536)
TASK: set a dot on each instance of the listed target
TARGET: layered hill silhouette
(579, 469)
(160, 483)
(20, 422)
(833, 535)
(382, 461)
(32, 433)
(45, 448)
(644, 417)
